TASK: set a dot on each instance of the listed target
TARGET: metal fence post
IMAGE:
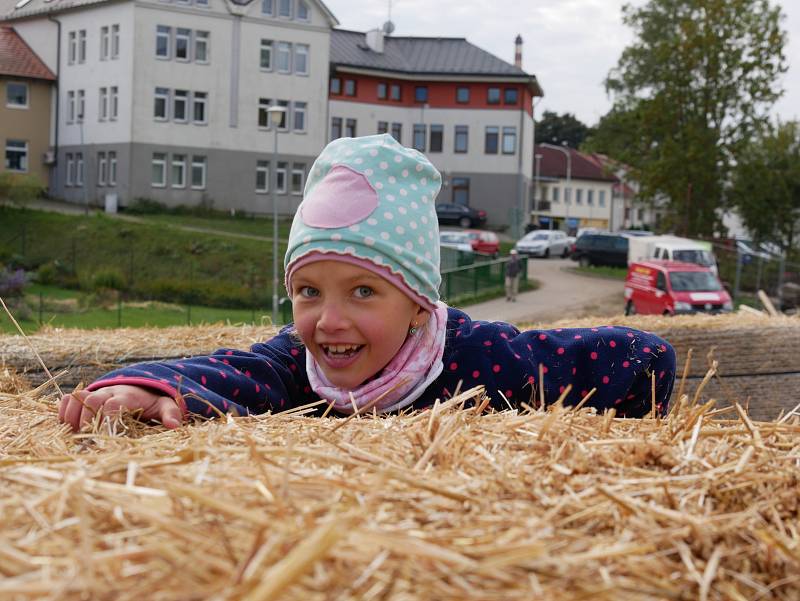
(737, 281)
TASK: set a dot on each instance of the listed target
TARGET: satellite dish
(388, 28)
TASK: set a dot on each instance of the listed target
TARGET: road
(561, 294)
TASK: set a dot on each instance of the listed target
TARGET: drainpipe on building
(54, 168)
(518, 227)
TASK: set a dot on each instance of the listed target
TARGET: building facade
(468, 111)
(26, 107)
(167, 100)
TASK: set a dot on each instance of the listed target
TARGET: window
(201, 47)
(302, 11)
(198, 172)
(510, 96)
(105, 42)
(70, 176)
(201, 2)
(640, 214)
(298, 178)
(301, 59)
(421, 94)
(180, 100)
(112, 167)
(72, 52)
(115, 41)
(161, 104)
(178, 170)
(16, 155)
(285, 8)
(578, 196)
(159, 170)
(491, 142)
(336, 85)
(265, 60)
(82, 46)
(78, 168)
(493, 96)
(461, 190)
(102, 112)
(350, 128)
(462, 95)
(397, 132)
(336, 128)
(268, 7)
(601, 198)
(461, 138)
(262, 176)
(349, 87)
(71, 106)
(509, 140)
(284, 123)
(199, 101)
(263, 114)
(299, 114)
(183, 38)
(113, 102)
(567, 195)
(382, 90)
(284, 57)
(102, 166)
(163, 36)
(81, 105)
(395, 92)
(383, 127)
(420, 134)
(590, 197)
(280, 178)
(437, 138)
(555, 194)
(17, 95)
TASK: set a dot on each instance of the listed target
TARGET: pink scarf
(415, 366)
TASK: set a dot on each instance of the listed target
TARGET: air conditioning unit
(49, 157)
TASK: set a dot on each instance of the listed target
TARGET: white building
(166, 100)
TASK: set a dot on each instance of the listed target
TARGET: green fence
(477, 279)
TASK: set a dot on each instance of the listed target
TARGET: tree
(766, 185)
(555, 129)
(696, 83)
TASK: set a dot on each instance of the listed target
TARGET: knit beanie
(370, 201)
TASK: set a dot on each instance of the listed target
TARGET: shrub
(12, 282)
(20, 188)
(108, 279)
(146, 206)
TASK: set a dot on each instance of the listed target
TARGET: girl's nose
(333, 317)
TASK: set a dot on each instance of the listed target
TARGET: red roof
(17, 58)
(584, 166)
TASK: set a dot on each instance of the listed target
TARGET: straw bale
(440, 504)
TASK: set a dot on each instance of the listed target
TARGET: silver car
(544, 243)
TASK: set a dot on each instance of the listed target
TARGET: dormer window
(268, 7)
(303, 13)
(285, 9)
(421, 94)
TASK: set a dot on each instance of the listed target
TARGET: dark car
(461, 215)
(601, 249)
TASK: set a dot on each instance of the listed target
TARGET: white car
(543, 243)
(456, 240)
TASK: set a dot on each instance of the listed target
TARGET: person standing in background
(513, 269)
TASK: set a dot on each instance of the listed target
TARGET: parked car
(601, 249)
(636, 233)
(484, 242)
(659, 287)
(462, 215)
(456, 240)
(543, 243)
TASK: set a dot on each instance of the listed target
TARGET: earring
(413, 329)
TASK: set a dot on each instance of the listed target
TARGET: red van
(672, 287)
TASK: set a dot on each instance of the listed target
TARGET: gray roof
(420, 56)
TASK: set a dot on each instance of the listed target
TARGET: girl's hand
(79, 408)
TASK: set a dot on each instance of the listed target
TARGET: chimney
(518, 52)
(374, 39)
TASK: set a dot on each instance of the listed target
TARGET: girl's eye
(309, 292)
(364, 292)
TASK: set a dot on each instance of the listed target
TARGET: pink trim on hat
(382, 270)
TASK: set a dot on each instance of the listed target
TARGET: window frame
(69, 169)
(81, 46)
(114, 41)
(289, 7)
(162, 162)
(72, 47)
(80, 106)
(263, 107)
(307, 8)
(337, 125)
(112, 167)
(350, 127)
(601, 198)
(200, 99)
(21, 148)
(113, 103)
(382, 90)
(491, 134)
(102, 104)
(297, 168)
(335, 86)
(202, 38)
(284, 49)
(177, 160)
(271, 4)
(300, 108)
(397, 128)
(14, 105)
(286, 117)
(459, 90)
(489, 95)
(506, 92)
(183, 34)
(202, 162)
(396, 87)
(436, 133)
(350, 88)
(79, 169)
(101, 168)
(383, 127)
(71, 106)
(509, 133)
(269, 46)
(419, 133)
(421, 94)
(459, 132)
(182, 97)
(303, 50)
(164, 32)
(105, 42)
(284, 173)
(263, 168)
(165, 95)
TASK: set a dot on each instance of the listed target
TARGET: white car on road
(543, 243)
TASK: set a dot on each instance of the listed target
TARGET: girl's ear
(421, 317)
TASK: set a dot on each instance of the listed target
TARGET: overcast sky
(569, 45)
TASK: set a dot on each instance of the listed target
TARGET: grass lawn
(602, 271)
(252, 226)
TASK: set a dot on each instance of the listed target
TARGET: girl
(362, 270)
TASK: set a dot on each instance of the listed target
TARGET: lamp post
(276, 116)
(85, 169)
(537, 161)
(568, 190)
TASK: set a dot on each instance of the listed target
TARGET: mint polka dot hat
(371, 201)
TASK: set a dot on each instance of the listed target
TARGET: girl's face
(351, 320)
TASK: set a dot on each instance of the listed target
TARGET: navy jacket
(619, 362)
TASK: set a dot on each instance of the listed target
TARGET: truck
(671, 248)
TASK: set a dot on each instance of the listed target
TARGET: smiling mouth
(341, 351)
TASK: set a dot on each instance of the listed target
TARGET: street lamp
(568, 190)
(84, 168)
(537, 160)
(276, 116)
